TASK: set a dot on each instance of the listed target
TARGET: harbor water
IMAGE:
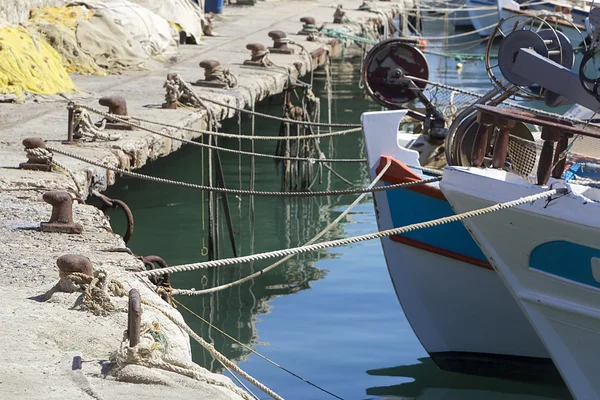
(331, 317)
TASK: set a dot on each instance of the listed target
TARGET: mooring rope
(193, 292)
(207, 132)
(211, 349)
(259, 114)
(354, 239)
(238, 191)
(247, 153)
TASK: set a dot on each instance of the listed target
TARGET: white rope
(206, 132)
(85, 127)
(193, 292)
(238, 191)
(46, 156)
(211, 349)
(351, 240)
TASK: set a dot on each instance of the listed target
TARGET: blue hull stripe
(409, 207)
(567, 260)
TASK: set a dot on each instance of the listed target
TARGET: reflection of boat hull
(548, 255)
(482, 18)
(456, 304)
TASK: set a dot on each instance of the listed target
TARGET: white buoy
(459, 66)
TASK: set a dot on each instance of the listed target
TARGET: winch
(396, 72)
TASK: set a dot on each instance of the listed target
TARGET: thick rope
(84, 127)
(247, 153)
(254, 351)
(207, 132)
(354, 239)
(211, 349)
(193, 292)
(259, 114)
(238, 191)
(46, 156)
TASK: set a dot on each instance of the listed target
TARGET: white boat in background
(460, 18)
(574, 31)
(454, 301)
(484, 16)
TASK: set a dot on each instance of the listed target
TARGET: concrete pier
(42, 337)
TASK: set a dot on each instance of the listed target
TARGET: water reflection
(428, 382)
(172, 222)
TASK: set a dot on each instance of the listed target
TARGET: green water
(331, 317)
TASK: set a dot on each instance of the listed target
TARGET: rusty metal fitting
(259, 55)
(117, 106)
(338, 15)
(280, 43)
(215, 76)
(162, 281)
(309, 26)
(116, 203)
(73, 270)
(172, 88)
(61, 220)
(74, 263)
(209, 66)
(36, 162)
(134, 317)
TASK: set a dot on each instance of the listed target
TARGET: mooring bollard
(134, 320)
(309, 26)
(211, 76)
(172, 88)
(280, 43)
(117, 105)
(36, 162)
(338, 15)
(259, 55)
(69, 266)
(70, 263)
(61, 220)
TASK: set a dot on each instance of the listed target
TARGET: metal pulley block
(389, 69)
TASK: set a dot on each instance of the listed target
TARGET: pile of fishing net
(91, 37)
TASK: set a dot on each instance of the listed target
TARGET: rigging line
(238, 191)
(255, 352)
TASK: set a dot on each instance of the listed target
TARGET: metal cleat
(259, 55)
(211, 79)
(117, 106)
(309, 26)
(280, 43)
(36, 162)
(61, 220)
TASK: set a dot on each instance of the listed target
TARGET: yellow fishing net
(28, 64)
(58, 26)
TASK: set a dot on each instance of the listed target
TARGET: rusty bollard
(338, 15)
(35, 162)
(172, 87)
(309, 26)
(117, 105)
(211, 79)
(134, 317)
(280, 43)
(259, 55)
(70, 264)
(61, 220)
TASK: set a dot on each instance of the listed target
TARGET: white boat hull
(456, 304)
(548, 255)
